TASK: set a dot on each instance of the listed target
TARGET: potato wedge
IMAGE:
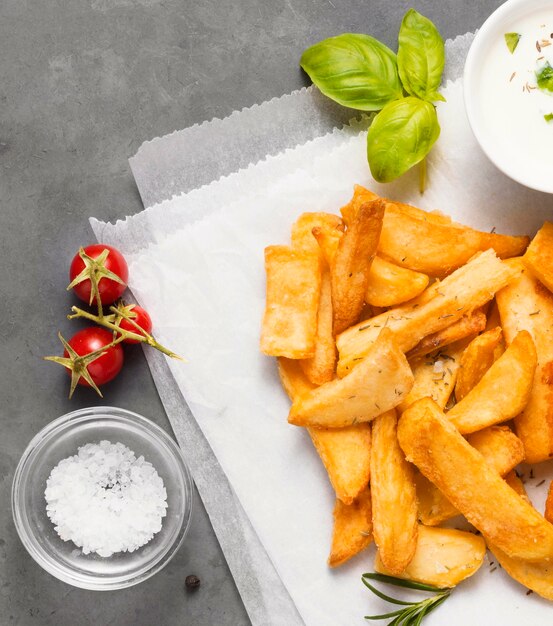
(439, 306)
(535, 575)
(503, 391)
(476, 360)
(345, 452)
(349, 272)
(516, 484)
(394, 499)
(548, 514)
(468, 326)
(539, 255)
(525, 304)
(441, 453)
(376, 385)
(320, 367)
(390, 285)
(352, 530)
(502, 451)
(443, 558)
(293, 285)
(438, 249)
(302, 230)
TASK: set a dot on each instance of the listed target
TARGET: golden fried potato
(539, 255)
(328, 241)
(502, 450)
(390, 285)
(441, 453)
(525, 304)
(536, 575)
(549, 504)
(302, 230)
(352, 531)
(345, 452)
(438, 249)
(293, 285)
(394, 500)
(443, 558)
(516, 484)
(503, 391)
(349, 271)
(468, 326)
(476, 360)
(439, 306)
(320, 367)
(378, 384)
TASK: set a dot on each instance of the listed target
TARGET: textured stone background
(82, 84)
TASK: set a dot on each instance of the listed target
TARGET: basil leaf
(548, 117)
(512, 39)
(545, 78)
(356, 71)
(400, 136)
(420, 56)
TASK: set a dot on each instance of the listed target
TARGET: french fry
(320, 367)
(525, 304)
(502, 451)
(302, 230)
(293, 285)
(443, 558)
(476, 360)
(467, 326)
(439, 306)
(349, 272)
(328, 241)
(502, 392)
(345, 452)
(440, 452)
(435, 375)
(394, 500)
(548, 514)
(539, 255)
(516, 484)
(535, 575)
(352, 530)
(438, 249)
(376, 385)
(390, 285)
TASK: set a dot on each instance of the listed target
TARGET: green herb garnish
(548, 117)
(359, 72)
(545, 78)
(412, 613)
(512, 39)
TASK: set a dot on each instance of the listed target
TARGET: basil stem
(400, 136)
(420, 56)
(354, 70)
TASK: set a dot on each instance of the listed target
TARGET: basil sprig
(359, 72)
(420, 56)
(356, 71)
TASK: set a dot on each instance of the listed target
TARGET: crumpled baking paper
(196, 263)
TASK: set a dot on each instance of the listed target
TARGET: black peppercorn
(192, 582)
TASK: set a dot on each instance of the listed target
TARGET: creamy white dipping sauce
(512, 106)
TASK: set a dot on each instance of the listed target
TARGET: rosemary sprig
(411, 613)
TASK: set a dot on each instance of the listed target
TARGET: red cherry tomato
(142, 318)
(104, 368)
(110, 290)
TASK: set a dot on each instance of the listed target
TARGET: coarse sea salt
(105, 500)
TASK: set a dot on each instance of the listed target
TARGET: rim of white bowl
(66, 574)
(474, 59)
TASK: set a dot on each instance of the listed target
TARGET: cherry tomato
(110, 290)
(142, 318)
(104, 368)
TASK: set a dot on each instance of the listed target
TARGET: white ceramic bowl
(495, 96)
(60, 439)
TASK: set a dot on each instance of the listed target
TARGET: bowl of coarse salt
(102, 498)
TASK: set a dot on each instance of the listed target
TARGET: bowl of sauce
(508, 89)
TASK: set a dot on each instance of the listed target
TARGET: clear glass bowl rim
(61, 423)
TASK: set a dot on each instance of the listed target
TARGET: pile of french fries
(418, 354)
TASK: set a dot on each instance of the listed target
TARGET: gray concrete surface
(82, 84)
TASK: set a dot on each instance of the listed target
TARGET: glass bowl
(60, 439)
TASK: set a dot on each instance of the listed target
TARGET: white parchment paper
(198, 267)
